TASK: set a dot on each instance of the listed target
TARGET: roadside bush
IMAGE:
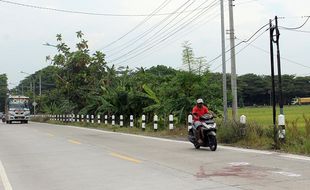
(229, 133)
(39, 119)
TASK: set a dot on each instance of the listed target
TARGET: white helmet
(199, 101)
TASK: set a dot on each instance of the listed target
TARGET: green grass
(263, 115)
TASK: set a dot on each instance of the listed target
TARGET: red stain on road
(242, 171)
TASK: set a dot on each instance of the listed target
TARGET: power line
(133, 41)
(167, 36)
(286, 59)
(242, 49)
(167, 43)
(82, 12)
(161, 6)
(298, 27)
(243, 41)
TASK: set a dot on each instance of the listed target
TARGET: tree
(81, 74)
(188, 55)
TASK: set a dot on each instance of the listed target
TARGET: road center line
(125, 157)
(74, 141)
(4, 178)
(50, 134)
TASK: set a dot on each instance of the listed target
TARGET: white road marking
(239, 164)
(288, 174)
(305, 158)
(4, 178)
(292, 156)
(246, 150)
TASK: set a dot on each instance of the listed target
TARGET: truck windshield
(22, 106)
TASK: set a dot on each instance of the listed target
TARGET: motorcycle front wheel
(212, 142)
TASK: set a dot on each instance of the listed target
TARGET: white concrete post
(73, 118)
(92, 119)
(113, 120)
(131, 121)
(82, 118)
(143, 122)
(243, 126)
(243, 119)
(189, 122)
(171, 122)
(155, 122)
(98, 119)
(121, 121)
(106, 119)
(281, 124)
(78, 118)
(87, 118)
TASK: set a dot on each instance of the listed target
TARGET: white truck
(17, 109)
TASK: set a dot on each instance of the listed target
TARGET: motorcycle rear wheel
(197, 146)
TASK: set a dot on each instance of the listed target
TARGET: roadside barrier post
(113, 120)
(87, 118)
(92, 119)
(281, 123)
(243, 124)
(189, 122)
(98, 119)
(155, 123)
(131, 121)
(121, 122)
(143, 122)
(106, 119)
(171, 122)
(78, 118)
(82, 118)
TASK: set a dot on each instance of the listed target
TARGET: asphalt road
(51, 157)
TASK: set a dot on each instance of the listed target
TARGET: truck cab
(17, 109)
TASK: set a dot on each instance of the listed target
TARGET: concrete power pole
(233, 62)
(40, 84)
(223, 62)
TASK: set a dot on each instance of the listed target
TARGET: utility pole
(279, 66)
(273, 90)
(34, 96)
(40, 83)
(233, 62)
(223, 62)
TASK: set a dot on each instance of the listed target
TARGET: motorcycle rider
(198, 111)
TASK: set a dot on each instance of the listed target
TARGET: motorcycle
(208, 125)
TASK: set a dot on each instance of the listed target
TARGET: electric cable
(161, 6)
(167, 36)
(243, 41)
(175, 38)
(298, 27)
(81, 12)
(155, 26)
(288, 60)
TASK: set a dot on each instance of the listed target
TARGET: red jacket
(198, 112)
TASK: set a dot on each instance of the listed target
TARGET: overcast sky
(24, 30)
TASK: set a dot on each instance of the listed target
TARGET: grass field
(263, 115)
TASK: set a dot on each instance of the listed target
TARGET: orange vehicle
(301, 101)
